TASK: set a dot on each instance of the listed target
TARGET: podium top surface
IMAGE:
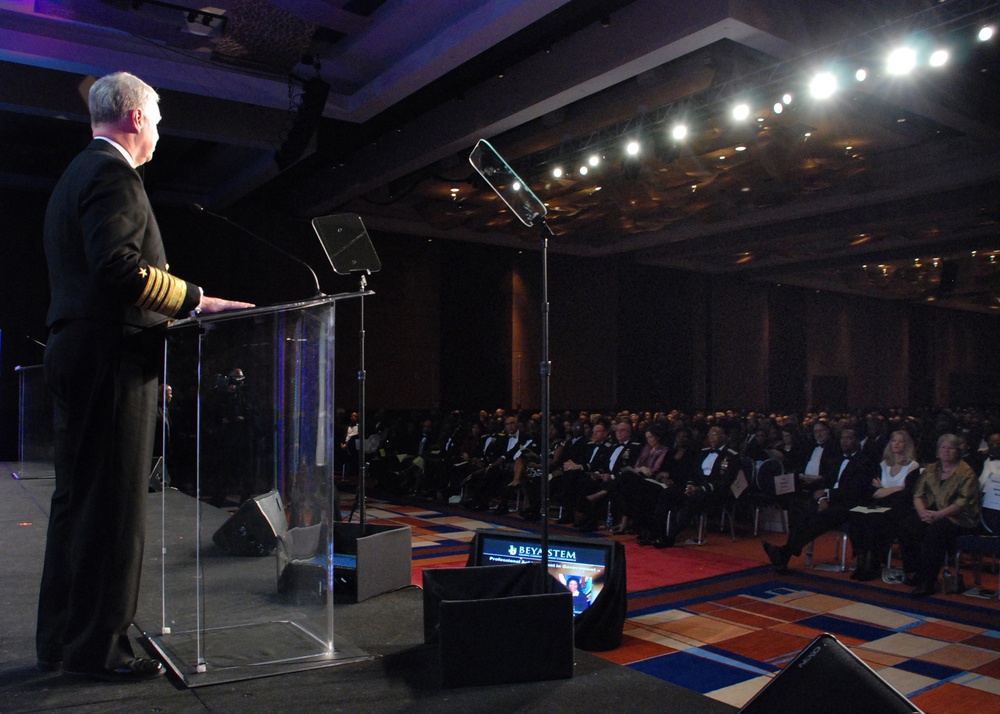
(206, 318)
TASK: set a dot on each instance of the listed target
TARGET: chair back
(990, 519)
(764, 478)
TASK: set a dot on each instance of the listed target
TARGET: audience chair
(842, 539)
(985, 542)
(762, 492)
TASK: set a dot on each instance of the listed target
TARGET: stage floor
(404, 674)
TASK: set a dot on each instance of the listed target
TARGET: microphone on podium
(198, 208)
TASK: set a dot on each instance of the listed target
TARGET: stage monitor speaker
(254, 528)
(827, 678)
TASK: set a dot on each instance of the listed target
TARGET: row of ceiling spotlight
(899, 62)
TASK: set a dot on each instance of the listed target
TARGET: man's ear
(136, 118)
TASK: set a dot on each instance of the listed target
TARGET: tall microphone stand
(545, 372)
(526, 206)
(359, 498)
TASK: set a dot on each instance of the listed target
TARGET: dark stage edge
(404, 674)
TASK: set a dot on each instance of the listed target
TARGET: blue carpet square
(693, 672)
(836, 626)
(928, 669)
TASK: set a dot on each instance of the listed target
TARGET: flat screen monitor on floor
(582, 565)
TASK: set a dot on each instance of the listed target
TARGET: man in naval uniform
(111, 293)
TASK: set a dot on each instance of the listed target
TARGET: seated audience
(639, 485)
(580, 478)
(593, 494)
(853, 486)
(707, 487)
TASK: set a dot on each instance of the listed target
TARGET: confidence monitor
(593, 570)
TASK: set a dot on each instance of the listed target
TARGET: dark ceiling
(889, 188)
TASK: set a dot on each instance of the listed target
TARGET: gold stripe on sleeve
(163, 292)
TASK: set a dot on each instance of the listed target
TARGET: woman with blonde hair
(872, 531)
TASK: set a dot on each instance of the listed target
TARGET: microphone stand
(247, 232)
(359, 497)
(545, 373)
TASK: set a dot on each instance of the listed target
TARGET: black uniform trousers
(104, 385)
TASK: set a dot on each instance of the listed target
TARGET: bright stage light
(778, 107)
(901, 60)
(557, 172)
(861, 75)
(679, 132)
(823, 85)
(594, 160)
(516, 186)
(741, 111)
(632, 148)
(985, 33)
(786, 99)
(583, 170)
(939, 58)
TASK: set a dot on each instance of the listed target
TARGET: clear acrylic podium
(252, 413)
(34, 425)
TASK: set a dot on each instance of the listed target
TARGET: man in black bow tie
(852, 487)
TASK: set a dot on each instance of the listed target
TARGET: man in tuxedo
(853, 486)
(820, 472)
(111, 296)
(706, 488)
(580, 477)
(500, 456)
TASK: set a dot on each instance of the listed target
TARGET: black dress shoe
(664, 542)
(531, 515)
(645, 539)
(139, 669)
(500, 510)
(587, 526)
(778, 556)
(924, 590)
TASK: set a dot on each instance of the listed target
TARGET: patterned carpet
(723, 625)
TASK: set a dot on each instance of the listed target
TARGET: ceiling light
(741, 111)
(557, 172)
(861, 75)
(823, 85)
(594, 160)
(741, 148)
(778, 107)
(679, 132)
(516, 186)
(583, 170)
(786, 99)
(985, 33)
(939, 58)
(901, 60)
(632, 148)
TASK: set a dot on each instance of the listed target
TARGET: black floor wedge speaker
(254, 529)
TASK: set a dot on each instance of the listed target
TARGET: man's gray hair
(113, 96)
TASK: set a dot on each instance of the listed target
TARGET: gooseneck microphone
(198, 208)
